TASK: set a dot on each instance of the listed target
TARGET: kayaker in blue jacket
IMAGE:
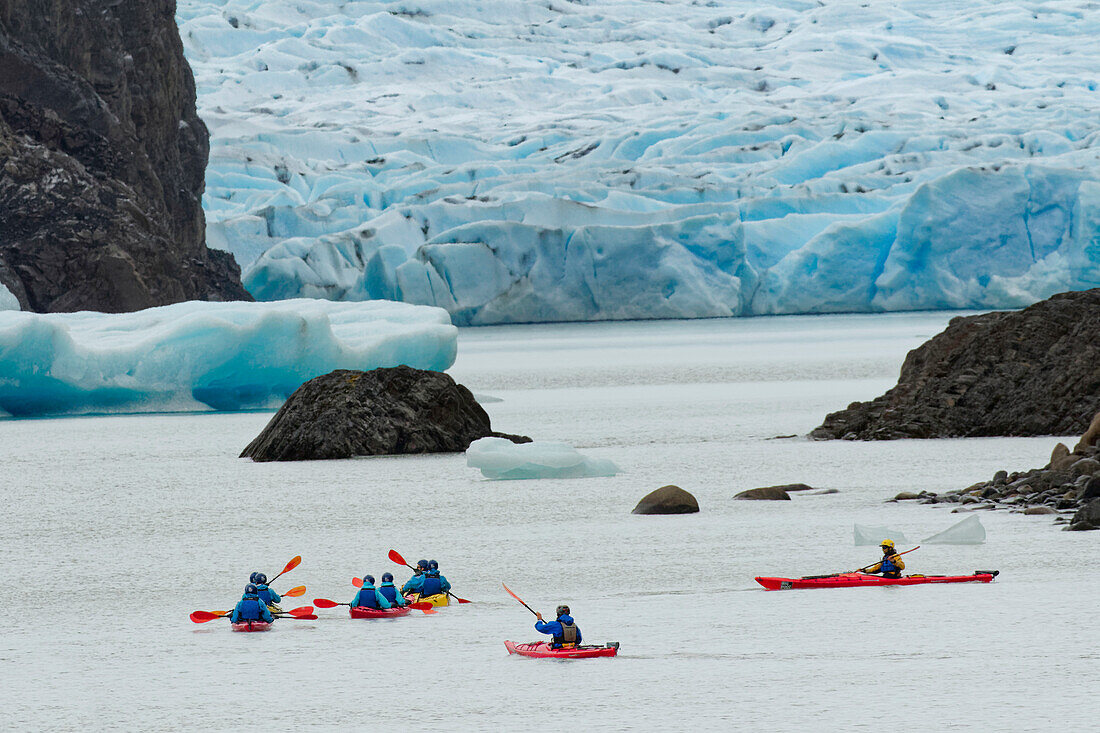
(369, 597)
(433, 583)
(891, 565)
(413, 584)
(565, 631)
(389, 591)
(250, 607)
(268, 596)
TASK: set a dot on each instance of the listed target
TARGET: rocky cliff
(101, 160)
(1029, 372)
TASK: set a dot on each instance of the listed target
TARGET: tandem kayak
(439, 600)
(362, 612)
(859, 580)
(251, 626)
(542, 650)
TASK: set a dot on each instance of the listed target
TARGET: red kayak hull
(542, 650)
(361, 612)
(860, 580)
(251, 626)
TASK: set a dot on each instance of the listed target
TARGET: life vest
(432, 586)
(365, 598)
(889, 569)
(266, 595)
(249, 609)
(388, 591)
(568, 636)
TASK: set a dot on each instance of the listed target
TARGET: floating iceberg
(499, 458)
(520, 161)
(866, 535)
(201, 356)
(967, 532)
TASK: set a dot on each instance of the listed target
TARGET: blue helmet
(387, 577)
(422, 565)
(250, 589)
(260, 579)
(252, 578)
(433, 565)
(368, 580)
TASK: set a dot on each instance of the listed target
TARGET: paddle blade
(421, 606)
(326, 603)
(512, 594)
(201, 617)
(310, 617)
(294, 562)
(396, 557)
(429, 611)
(357, 582)
(295, 592)
(300, 611)
(461, 600)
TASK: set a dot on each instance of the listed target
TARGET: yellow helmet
(887, 543)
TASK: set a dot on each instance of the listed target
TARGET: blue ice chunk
(499, 458)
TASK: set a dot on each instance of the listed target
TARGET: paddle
(295, 592)
(520, 600)
(836, 575)
(294, 562)
(396, 557)
(201, 617)
(326, 603)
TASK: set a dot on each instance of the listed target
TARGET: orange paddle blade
(513, 594)
(295, 562)
(295, 592)
(396, 557)
(357, 582)
(326, 603)
(429, 611)
(201, 617)
(309, 617)
(300, 611)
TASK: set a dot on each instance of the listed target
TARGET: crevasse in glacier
(201, 356)
(515, 161)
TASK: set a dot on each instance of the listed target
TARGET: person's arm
(414, 584)
(383, 602)
(265, 612)
(275, 597)
(236, 615)
(877, 567)
(899, 562)
(355, 601)
(547, 628)
(444, 584)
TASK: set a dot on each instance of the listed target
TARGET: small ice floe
(967, 532)
(499, 458)
(867, 535)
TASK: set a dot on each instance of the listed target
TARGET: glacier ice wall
(516, 161)
(203, 355)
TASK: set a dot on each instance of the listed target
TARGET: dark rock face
(1069, 484)
(1029, 372)
(667, 500)
(766, 493)
(102, 158)
(349, 413)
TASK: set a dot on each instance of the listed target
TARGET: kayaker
(890, 566)
(268, 596)
(433, 583)
(417, 580)
(389, 591)
(565, 631)
(369, 597)
(250, 607)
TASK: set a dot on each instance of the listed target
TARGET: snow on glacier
(201, 356)
(500, 458)
(515, 161)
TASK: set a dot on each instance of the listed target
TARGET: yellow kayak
(438, 600)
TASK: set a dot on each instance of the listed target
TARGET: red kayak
(251, 626)
(542, 650)
(362, 612)
(859, 580)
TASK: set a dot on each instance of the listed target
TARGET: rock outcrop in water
(1068, 485)
(102, 160)
(1029, 372)
(349, 413)
(667, 500)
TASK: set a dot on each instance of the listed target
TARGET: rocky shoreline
(1068, 487)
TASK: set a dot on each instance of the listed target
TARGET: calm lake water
(115, 528)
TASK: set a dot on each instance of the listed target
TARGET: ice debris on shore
(202, 355)
(518, 161)
(499, 458)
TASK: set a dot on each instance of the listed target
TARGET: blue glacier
(204, 356)
(512, 162)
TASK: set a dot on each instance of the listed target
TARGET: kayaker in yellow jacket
(890, 566)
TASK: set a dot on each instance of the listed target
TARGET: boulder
(1085, 467)
(1087, 517)
(906, 496)
(1039, 510)
(667, 500)
(386, 411)
(1091, 438)
(1027, 372)
(766, 493)
(1091, 489)
(791, 488)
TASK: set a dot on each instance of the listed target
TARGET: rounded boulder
(667, 500)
